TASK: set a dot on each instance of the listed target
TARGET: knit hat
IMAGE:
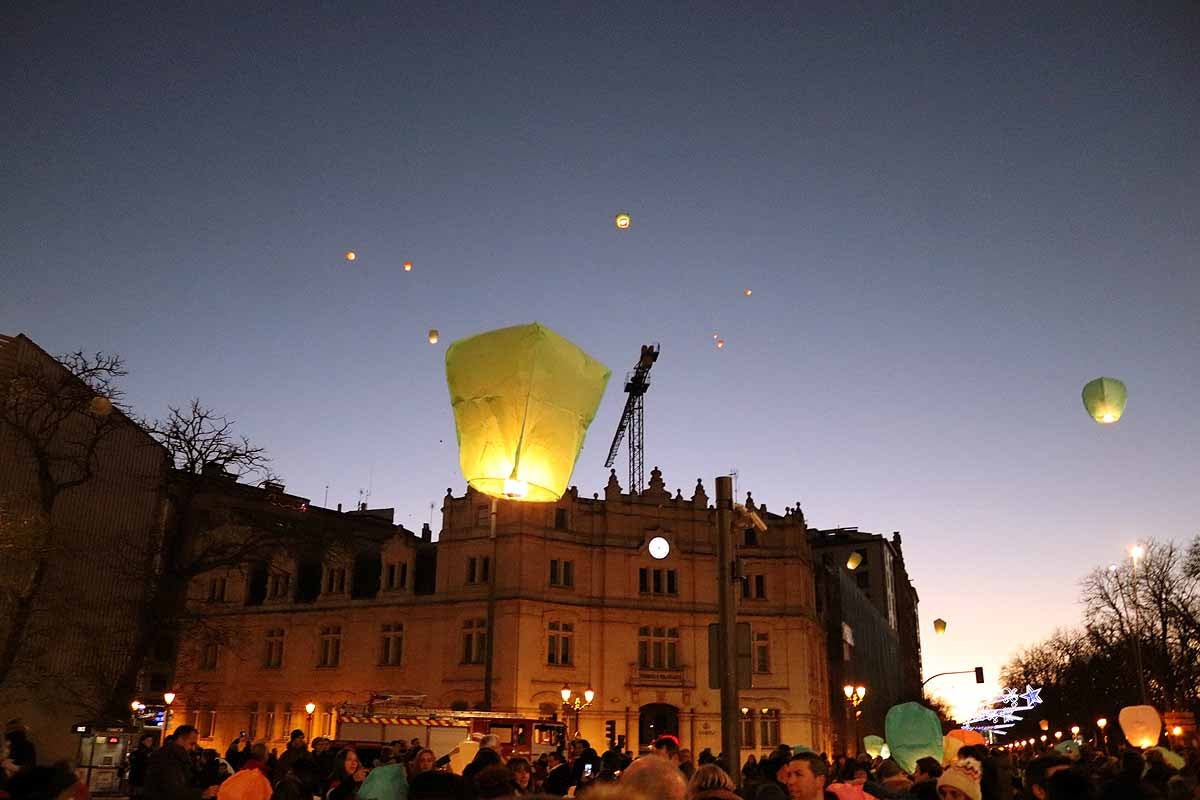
(964, 775)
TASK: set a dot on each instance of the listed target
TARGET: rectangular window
(658, 648)
(478, 569)
(760, 587)
(273, 658)
(474, 641)
(403, 584)
(472, 570)
(762, 652)
(391, 649)
(658, 581)
(644, 580)
(562, 573)
(395, 576)
(216, 590)
(280, 585)
(482, 516)
(751, 535)
(747, 726)
(208, 656)
(252, 725)
(286, 727)
(672, 582)
(335, 580)
(560, 519)
(768, 727)
(389, 576)
(330, 653)
(559, 649)
(204, 721)
(484, 570)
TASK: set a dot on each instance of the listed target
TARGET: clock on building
(659, 547)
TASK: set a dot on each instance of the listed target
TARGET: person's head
(890, 775)
(1070, 784)
(1039, 771)
(554, 758)
(522, 771)
(297, 739)
(387, 755)
(928, 769)
(321, 744)
(425, 761)
(258, 752)
(667, 747)
(961, 781)
(146, 741)
(804, 777)
(346, 763)
(186, 737)
(771, 767)
(414, 743)
(490, 742)
(655, 777)
(708, 778)
(685, 755)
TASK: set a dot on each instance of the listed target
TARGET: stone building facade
(513, 602)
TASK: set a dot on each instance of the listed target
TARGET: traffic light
(979, 674)
(610, 730)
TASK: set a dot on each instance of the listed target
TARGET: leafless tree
(56, 415)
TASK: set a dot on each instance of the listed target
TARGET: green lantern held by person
(913, 732)
(1104, 399)
(523, 398)
(873, 745)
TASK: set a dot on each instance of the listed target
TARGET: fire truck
(369, 726)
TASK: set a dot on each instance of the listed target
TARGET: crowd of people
(179, 770)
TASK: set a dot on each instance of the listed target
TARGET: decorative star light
(1003, 711)
(1032, 696)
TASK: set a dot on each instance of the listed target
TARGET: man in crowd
(170, 772)
(558, 776)
(297, 750)
(655, 777)
(805, 777)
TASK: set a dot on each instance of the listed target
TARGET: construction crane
(633, 418)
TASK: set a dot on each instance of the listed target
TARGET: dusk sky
(950, 222)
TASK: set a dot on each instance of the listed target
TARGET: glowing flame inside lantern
(515, 488)
(622, 221)
(408, 266)
(351, 255)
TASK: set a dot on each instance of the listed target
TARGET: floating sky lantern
(100, 406)
(408, 266)
(1104, 399)
(939, 626)
(622, 221)
(433, 335)
(523, 399)
(720, 344)
(351, 255)
(913, 732)
(968, 738)
(854, 560)
(873, 745)
(749, 292)
(1141, 725)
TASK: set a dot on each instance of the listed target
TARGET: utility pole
(727, 627)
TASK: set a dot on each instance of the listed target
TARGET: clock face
(659, 547)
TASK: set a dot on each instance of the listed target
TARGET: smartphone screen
(587, 770)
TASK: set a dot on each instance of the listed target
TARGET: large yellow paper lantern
(1141, 725)
(939, 626)
(1104, 399)
(523, 399)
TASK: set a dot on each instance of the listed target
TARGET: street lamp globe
(1074, 730)
(309, 708)
(861, 691)
(168, 697)
(848, 690)
(566, 693)
(1177, 731)
(1043, 737)
(1058, 734)
(1101, 723)
(588, 695)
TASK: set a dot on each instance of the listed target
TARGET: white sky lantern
(1141, 725)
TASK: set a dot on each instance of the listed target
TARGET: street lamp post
(309, 708)
(1101, 724)
(168, 699)
(577, 703)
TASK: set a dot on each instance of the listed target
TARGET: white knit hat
(964, 775)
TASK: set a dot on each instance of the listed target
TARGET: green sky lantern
(913, 732)
(1104, 399)
(523, 399)
(873, 745)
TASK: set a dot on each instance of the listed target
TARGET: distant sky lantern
(100, 406)
(720, 344)
(408, 266)
(1141, 725)
(939, 626)
(622, 221)
(433, 335)
(1104, 399)
(854, 560)
(351, 255)
(523, 398)
(749, 292)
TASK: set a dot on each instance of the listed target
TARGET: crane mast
(633, 419)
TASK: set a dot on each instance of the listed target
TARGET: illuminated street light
(1101, 723)
(1074, 730)
(1177, 731)
(1058, 734)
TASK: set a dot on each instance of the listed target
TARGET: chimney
(426, 532)
(339, 508)
(362, 506)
